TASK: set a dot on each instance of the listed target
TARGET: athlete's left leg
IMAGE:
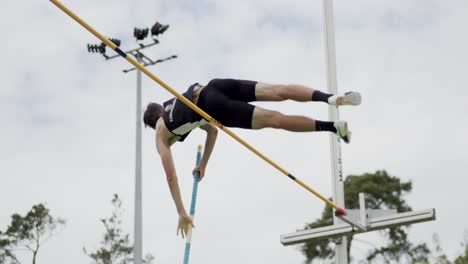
(263, 118)
(301, 93)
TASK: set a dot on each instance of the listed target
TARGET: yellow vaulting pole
(192, 105)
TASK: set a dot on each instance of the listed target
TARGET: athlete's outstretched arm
(211, 135)
(164, 151)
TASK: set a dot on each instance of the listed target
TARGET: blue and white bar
(192, 208)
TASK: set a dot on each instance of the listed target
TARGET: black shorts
(226, 100)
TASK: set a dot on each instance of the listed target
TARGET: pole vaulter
(339, 210)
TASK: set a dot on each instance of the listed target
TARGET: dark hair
(152, 113)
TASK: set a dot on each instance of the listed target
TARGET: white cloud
(68, 117)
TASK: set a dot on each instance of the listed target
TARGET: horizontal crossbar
(344, 229)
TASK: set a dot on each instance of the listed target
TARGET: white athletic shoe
(349, 98)
(342, 130)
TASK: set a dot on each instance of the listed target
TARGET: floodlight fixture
(117, 42)
(158, 28)
(101, 48)
(97, 48)
(140, 34)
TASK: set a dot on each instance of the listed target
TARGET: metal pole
(196, 178)
(138, 243)
(341, 253)
(195, 108)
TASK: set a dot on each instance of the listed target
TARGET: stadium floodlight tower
(356, 221)
(140, 35)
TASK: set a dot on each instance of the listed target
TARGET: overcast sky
(68, 119)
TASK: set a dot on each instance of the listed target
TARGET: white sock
(332, 99)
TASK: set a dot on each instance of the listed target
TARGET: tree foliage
(28, 232)
(438, 256)
(383, 191)
(115, 246)
(7, 247)
(463, 258)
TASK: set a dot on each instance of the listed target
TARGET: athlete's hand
(184, 222)
(201, 169)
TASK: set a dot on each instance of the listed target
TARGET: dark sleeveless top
(179, 118)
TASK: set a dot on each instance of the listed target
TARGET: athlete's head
(152, 113)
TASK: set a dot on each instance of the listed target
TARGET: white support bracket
(359, 221)
(352, 222)
(359, 218)
(374, 223)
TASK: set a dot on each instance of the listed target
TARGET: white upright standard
(357, 220)
(333, 114)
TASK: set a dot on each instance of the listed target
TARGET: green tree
(115, 246)
(28, 232)
(7, 247)
(438, 256)
(382, 192)
(463, 258)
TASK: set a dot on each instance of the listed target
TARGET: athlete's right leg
(301, 93)
(263, 118)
